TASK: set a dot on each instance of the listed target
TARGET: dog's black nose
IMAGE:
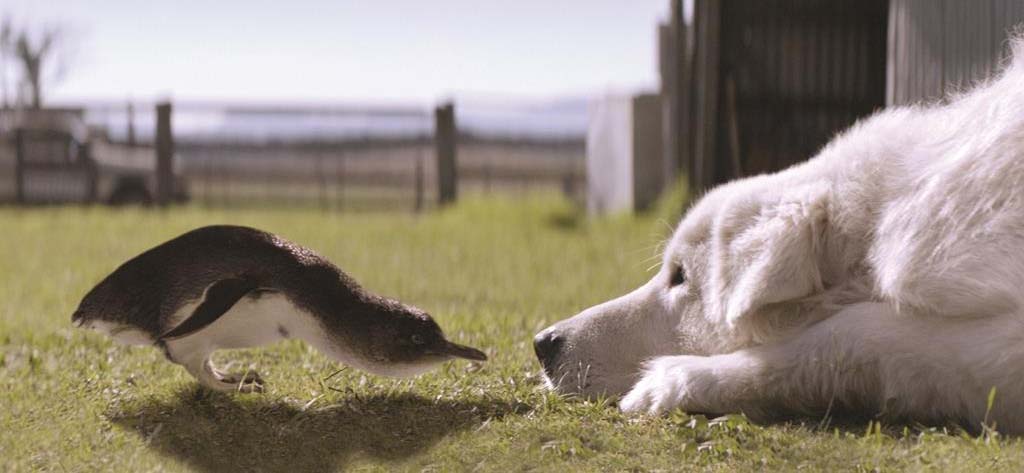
(547, 345)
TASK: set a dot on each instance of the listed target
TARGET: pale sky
(367, 51)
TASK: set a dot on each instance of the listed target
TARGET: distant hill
(561, 119)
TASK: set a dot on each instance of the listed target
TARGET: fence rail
(247, 166)
(362, 175)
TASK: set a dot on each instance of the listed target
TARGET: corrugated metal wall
(795, 72)
(939, 46)
(774, 80)
(771, 81)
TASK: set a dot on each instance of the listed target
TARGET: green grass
(491, 271)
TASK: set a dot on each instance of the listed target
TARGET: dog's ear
(767, 252)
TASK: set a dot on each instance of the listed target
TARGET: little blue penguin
(225, 287)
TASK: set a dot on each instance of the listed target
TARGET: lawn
(492, 271)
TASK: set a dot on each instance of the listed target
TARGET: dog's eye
(678, 276)
(416, 339)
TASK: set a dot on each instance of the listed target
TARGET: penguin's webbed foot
(198, 364)
(248, 382)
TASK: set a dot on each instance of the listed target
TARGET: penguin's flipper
(219, 298)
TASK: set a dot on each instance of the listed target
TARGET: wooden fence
(373, 174)
(335, 173)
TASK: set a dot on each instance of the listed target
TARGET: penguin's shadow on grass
(215, 432)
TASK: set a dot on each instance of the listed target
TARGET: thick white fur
(885, 275)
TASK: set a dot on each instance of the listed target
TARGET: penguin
(226, 287)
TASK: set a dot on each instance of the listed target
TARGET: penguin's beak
(462, 351)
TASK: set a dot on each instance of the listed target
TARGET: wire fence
(349, 160)
(373, 174)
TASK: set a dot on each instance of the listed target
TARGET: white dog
(885, 276)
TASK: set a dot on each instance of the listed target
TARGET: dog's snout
(547, 345)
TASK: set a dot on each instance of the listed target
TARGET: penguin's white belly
(253, 322)
(256, 321)
(121, 333)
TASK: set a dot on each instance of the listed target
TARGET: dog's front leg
(845, 359)
(866, 358)
(705, 384)
(761, 382)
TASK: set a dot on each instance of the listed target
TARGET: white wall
(610, 155)
(625, 163)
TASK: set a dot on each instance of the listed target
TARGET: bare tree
(42, 55)
(33, 55)
(6, 36)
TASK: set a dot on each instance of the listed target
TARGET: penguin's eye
(416, 339)
(678, 276)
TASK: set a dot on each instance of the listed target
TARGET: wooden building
(937, 47)
(754, 86)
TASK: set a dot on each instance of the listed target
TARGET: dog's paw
(666, 384)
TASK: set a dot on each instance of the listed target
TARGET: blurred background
(395, 105)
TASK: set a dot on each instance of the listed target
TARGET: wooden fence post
(92, 173)
(131, 124)
(321, 182)
(164, 154)
(340, 179)
(207, 176)
(668, 58)
(19, 166)
(419, 178)
(444, 141)
(676, 69)
(684, 99)
(707, 18)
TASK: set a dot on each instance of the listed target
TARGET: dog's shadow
(215, 432)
